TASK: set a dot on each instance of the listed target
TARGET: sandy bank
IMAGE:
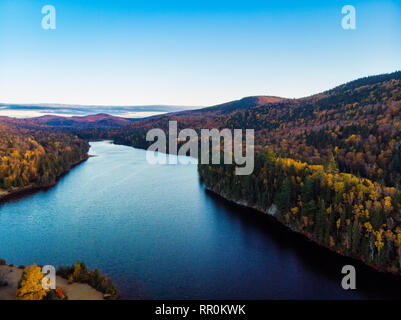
(74, 291)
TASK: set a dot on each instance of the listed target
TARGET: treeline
(358, 123)
(360, 127)
(80, 273)
(353, 216)
(135, 138)
(30, 286)
(32, 157)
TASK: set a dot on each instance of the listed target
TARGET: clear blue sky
(189, 52)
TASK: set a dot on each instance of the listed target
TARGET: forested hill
(328, 165)
(358, 123)
(32, 158)
(95, 121)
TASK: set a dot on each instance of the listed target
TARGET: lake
(159, 235)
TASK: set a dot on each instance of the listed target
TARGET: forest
(327, 166)
(36, 158)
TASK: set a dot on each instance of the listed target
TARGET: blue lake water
(159, 235)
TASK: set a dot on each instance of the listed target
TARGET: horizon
(186, 54)
(183, 107)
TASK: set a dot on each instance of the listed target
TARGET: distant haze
(37, 110)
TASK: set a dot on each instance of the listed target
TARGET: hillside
(228, 107)
(101, 120)
(31, 158)
(328, 165)
(357, 122)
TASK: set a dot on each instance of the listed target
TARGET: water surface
(159, 235)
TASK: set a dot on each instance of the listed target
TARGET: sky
(190, 53)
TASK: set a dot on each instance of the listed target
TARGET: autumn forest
(327, 166)
(36, 158)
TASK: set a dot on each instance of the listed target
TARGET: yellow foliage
(387, 204)
(368, 227)
(332, 243)
(77, 272)
(31, 284)
(338, 223)
(379, 240)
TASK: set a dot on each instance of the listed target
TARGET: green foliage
(352, 215)
(354, 128)
(98, 281)
(331, 163)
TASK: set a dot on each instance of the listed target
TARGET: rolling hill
(33, 158)
(327, 166)
(100, 120)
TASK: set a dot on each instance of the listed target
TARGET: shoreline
(30, 189)
(74, 291)
(245, 204)
(272, 213)
(11, 274)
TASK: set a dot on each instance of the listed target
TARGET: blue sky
(193, 53)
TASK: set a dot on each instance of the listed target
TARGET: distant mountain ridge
(36, 110)
(223, 115)
(244, 103)
(101, 120)
(165, 108)
(366, 81)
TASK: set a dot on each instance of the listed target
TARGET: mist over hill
(66, 110)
